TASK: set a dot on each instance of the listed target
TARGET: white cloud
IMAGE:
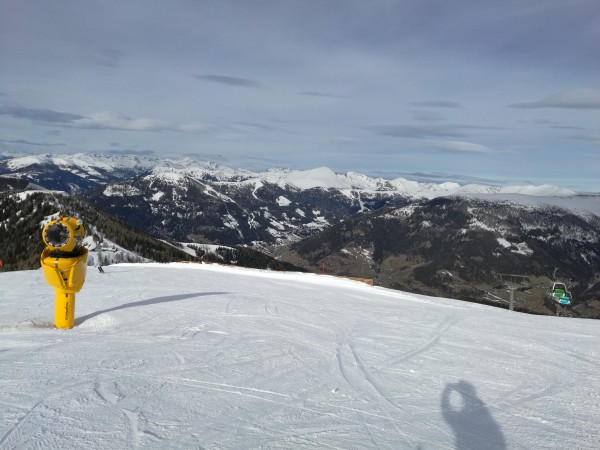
(437, 104)
(229, 81)
(417, 131)
(427, 116)
(461, 147)
(321, 94)
(573, 99)
(101, 120)
(38, 114)
(112, 121)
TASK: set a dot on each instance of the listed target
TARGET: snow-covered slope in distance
(352, 183)
(75, 172)
(98, 166)
(326, 178)
(85, 162)
(187, 356)
(578, 204)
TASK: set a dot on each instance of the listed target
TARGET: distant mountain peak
(105, 167)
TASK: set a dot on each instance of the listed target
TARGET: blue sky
(465, 90)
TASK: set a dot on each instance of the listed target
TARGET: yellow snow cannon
(64, 263)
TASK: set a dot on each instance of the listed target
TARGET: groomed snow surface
(205, 356)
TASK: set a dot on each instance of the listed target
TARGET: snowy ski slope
(205, 356)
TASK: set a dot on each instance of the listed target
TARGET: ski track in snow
(204, 356)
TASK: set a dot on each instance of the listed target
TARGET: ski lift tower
(512, 283)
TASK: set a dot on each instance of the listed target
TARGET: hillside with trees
(458, 248)
(23, 214)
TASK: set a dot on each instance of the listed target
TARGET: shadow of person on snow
(150, 301)
(473, 425)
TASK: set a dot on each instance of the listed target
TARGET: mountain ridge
(99, 167)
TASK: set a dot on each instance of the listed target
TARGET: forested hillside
(247, 257)
(459, 248)
(22, 216)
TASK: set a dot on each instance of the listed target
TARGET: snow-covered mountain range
(100, 168)
(193, 200)
(206, 356)
(73, 172)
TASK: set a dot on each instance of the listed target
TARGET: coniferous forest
(23, 217)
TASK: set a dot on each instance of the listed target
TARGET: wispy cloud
(426, 131)
(461, 147)
(538, 121)
(24, 142)
(112, 121)
(566, 127)
(585, 138)
(437, 104)
(320, 94)
(39, 115)
(427, 116)
(229, 81)
(253, 127)
(213, 157)
(107, 120)
(573, 99)
(418, 131)
(101, 120)
(130, 152)
(441, 177)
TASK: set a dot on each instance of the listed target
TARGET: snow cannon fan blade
(57, 235)
(64, 234)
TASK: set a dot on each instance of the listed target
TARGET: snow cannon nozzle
(64, 263)
(64, 234)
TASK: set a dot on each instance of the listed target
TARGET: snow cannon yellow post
(64, 262)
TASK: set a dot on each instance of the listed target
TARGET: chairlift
(558, 293)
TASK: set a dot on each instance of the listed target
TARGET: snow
(579, 204)
(523, 249)
(230, 222)
(88, 162)
(405, 211)
(206, 356)
(504, 243)
(257, 186)
(283, 201)
(520, 248)
(171, 176)
(321, 177)
(201, 170)
(350, 183)
(23, 195)
(26, 161)
(157, 196)
(120, 191)
(542, 190)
